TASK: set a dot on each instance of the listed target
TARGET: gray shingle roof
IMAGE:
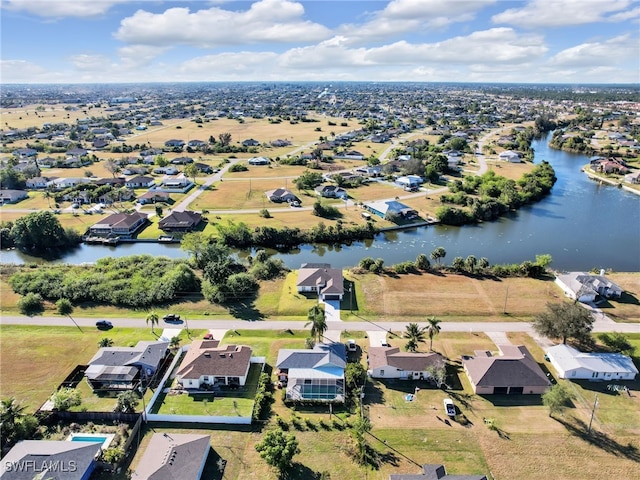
(514, 368)
(145, 353)
(173, 456)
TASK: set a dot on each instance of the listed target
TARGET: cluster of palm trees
(415, 334)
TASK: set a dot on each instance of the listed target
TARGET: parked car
(171, 318)
(449, 407)
(104, 324)
(208, 336)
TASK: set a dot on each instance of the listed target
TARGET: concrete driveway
(377, 338)
(332, 311)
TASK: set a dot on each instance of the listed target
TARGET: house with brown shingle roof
(513, 372)
(391, 362)
(172, 456)
(320, 278)
(206, 362)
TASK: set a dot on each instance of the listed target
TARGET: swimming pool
(104, 438)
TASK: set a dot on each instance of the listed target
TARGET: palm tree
(318, 322)
(174, 343)
(105, 342)
(153, 318)
(438, 254)
(11, 412)
(433, 329)
(415, 334)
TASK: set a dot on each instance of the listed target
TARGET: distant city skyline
(121, 41)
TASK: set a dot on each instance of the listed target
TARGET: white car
(352, 346)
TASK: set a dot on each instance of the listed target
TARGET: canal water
(581, 224)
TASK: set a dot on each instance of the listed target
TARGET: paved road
(363, 325)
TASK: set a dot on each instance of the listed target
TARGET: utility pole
(593, 411)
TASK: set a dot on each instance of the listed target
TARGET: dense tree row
(37, 233)
(489, 196)
(578, 143)
(137, 281)
(240, 235)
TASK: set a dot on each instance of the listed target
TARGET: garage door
(516, 390)
(500, 390)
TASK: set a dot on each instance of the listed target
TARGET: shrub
(264, 213)
(31, 304)
(238, 167)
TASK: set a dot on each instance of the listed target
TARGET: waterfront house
(208, 363)
(633, 177)
(180, 221)
(313, 375)
(390, 208)
(391, 362)
(321, 279)
(585, 287)
(122, 368)
(573, 364)
(123, 225)
(510, 156)
(51, 460)
(172, 456)
(513, 372)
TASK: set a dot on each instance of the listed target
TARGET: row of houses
(127, 225)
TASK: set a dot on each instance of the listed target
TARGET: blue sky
(533, 41)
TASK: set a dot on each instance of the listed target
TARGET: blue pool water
(88, 439)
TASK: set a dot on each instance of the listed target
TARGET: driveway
(377, 338)
(332, 310)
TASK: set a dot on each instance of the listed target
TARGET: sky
(116, 41)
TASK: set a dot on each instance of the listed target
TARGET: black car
(104, 324)
(171, 318)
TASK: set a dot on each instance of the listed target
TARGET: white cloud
(133, 56)
(62, 8)
(270, 21)
(226, 65)
(402, 16)
(621, 50)
(556, 13)
(90, 63)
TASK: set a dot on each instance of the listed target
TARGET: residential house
(280, 143)
(51, 460)
(313, 375)
(633, 177)
(174, 143)
(250, 142)
(321, 279)
(513, 372)
(77, 152)
(172, 456)
(182, 160)
(180, 221)
(122, 368)
(123, 225)
(204, 168)
(25, 153)
(12, 196)
(409, 181)
(374, 171)
(114, 182)
(585, 287)
(140, 182)
(280, 195)
(153, 196)
(38, 182)
(331, 191)
(350, 155)
(100, 143)
(135, 171)
(434, 472)
(206, 362)
(166, 170)
(391, 362)
(179, 184)
(196, 143)
(510, 156)
(609, 165)
(258, 161)
(390, 208)
(62, 183)
(573, 364)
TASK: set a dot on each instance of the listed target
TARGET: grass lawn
(231, 403)
(266, 343)
(36, 359)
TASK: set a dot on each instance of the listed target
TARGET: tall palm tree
(415, 334)
(317, 321)
(433, 329)
(10, 414)
(154, 319)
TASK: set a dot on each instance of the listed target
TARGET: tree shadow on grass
(599, 439)
(298, 471)
(245, 310)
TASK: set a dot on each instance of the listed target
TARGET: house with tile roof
(173, 456)
(313, 375)
(513, 372)
(321, 279)
(391, 362)
(206, 362)
(50, 459)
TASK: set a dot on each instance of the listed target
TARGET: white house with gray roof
(573, 364)
(321, 279)
(313, 375)
(391, 362)
(585, 287)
